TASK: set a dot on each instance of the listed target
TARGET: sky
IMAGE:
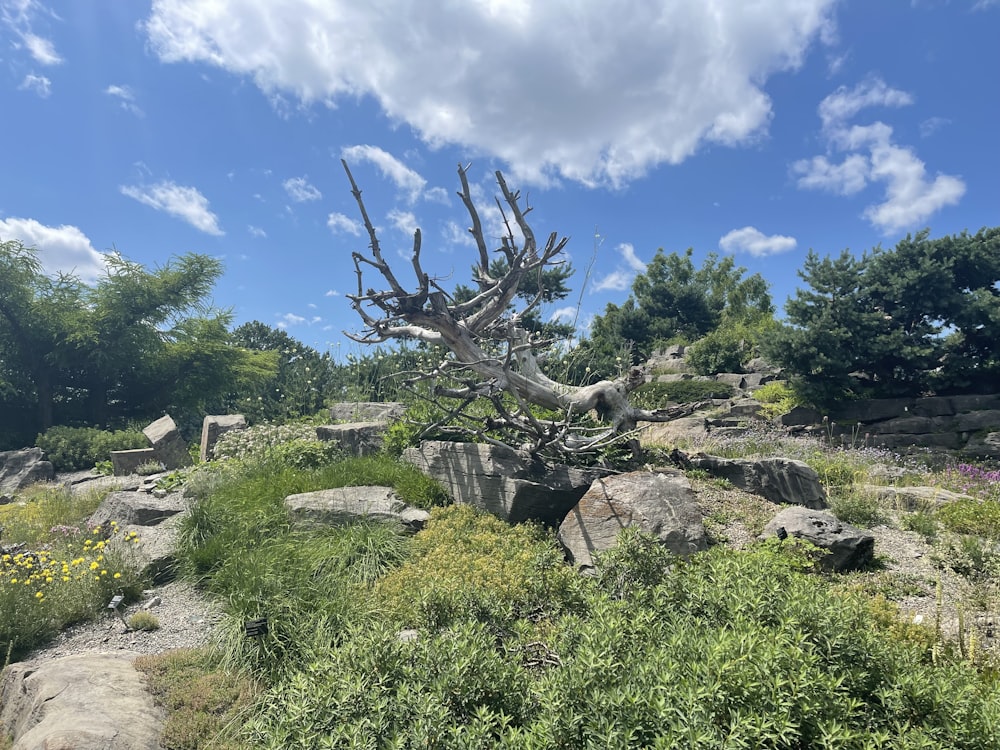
(761, 129)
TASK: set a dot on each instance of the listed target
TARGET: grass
(45, 511)
(204, 702)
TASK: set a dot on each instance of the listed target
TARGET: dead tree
(492, 355)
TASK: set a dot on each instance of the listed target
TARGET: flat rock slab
(343, 505)
(660, 503)
(913, 498)
(21, 468)
(82, 702)
(780, 480)
(137, 509)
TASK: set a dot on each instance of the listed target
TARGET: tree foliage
(923, 317)
(133, 345)
(675, 302)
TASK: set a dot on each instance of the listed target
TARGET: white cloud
(332, 293)
(402, 176)
(63, 249)
(290, 319)
(126, 99)
(256, 231)
(846, 178)
(621, 278)
(755, 242)
(910, 196)
(404, 221)
(39, 84)
(185, 203)
(617, 281)
(41, 49)
(931, 125)
(564, 314)
(592, 92)
(300, 191)
(341, 223)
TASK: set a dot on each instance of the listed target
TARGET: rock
(502, 481)
(800, 416)
(342, 505)
(356, 438)
(661, 503)
(215, 426)
(167, 443)
(983, 446)
(754, 380)
(912, 498)
(676, 431)
(124, 463)
(21, 468)
(734, 379)
(137, 508)
(761, 365)
(746, 408)
(367, 411)
(849, 547)
(82, 702)
(154, 548)
(780, 480)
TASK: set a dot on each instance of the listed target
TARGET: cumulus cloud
(290, 319)
(126, 98)
(872, 157)
(39, 84)
(300, 191)
(404, 178)
(404, 221)
(340, 223)
(180, 201)
(564, 314)
(61, 249)
(752, 240)
(591, 92)
(622, 277)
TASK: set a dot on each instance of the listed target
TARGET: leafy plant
(857, 508)
(660, 395)
(149, 468)
(78, 448)
(776, 398)
(143, 620)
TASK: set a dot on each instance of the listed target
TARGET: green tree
(672, 301)
(134, 344)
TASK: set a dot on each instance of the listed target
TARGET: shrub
(857, 508)
(971, 517)
(254, 443)
(143, 620)
(466, 564)
(78, 448)
(660, 395)
(307, 454)
(777, 398)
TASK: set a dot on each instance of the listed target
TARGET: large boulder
(502, 481)
(21, 468)
(780, 480)
(168, 445)
(215, 426)
(155, 522)
(661, 503)
(137, 508)
(84, 702)
(356, 438)
(849, 547)
(343, 505)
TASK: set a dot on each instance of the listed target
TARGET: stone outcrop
(912, 498)
(342, 505)
(21, 468)
(780, 480)
(502, 481)
(661, 503)
(127, 462)
(356, 438)
(137, 508)
(215, 426)
(84, 702)
(969, 425)
(168, 445)
(849, 547)
(367, 411)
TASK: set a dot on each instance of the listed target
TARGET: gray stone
(986, 402)
(780, 480)
(660, 503)
(978, 420)
(81, 702)
(673, 377)
(746, 408)
(21, 468)
(166, 441)
(215, 426)
(154, 548)
(502, 481)
(124, 463)
(912, 498)
(983, 446)
(367, 411)
(731, 378)
(762, 366)
(933, 406)
(685, 429)
(946, 440)
(356, 438)
(849, 547)
(137, 509)
(907, 426)
(343, 505)
(799, 416)
(870, 410)
(752, 380)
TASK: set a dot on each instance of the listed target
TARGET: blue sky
(760, 129)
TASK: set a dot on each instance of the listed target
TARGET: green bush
(971, 517)
(777, 398)
(78, 448)
(660, 395)
(308, 454)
